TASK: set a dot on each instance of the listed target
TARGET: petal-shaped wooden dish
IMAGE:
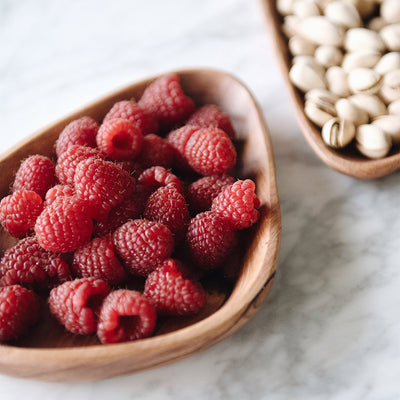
(347, 161)
(51, 354)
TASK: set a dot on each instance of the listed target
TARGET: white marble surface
(330, 328)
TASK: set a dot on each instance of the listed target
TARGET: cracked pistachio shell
(391, 36)
(390, 90)
(365, 80)
(372, 141)
(299, 46)
(305, 77)
(306, 8)
(370, 103)
(337, 81)
(366, 58)
(342, 13)
(328, 56)
(321, 31)
(394, 107)
(320, 106)
(347, 110)
(390, 11)
(388, 62)
(390, 124)
(311, 61)
(362, 38)
(338, 132)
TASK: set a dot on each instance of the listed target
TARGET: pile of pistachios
(346, 61)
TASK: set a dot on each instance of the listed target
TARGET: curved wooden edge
(104, 361)
(352, 165)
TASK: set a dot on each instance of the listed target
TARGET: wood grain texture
(49, 353)
(347, 161)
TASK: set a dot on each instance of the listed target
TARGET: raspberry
(36, 173)
(143, 245)
(19, 311)
(210, 239)
(154, 177)
(59, 191)
(119, 139)
(97, 259)
(68, 161)
(156, 151)
(102, 184)
(165, 100)
(210, 151)
(64, 225)
(167, 206)
(130, 208)
(172, 293)
(81, 132)
(30, 265)
(178, 139)
(237, 204)
(126, 315)
(19, 211)
(131, 166)
(202, 192)
(211, 116)
(76, 304)
(131, 111)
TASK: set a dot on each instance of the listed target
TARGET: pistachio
(322, 95)
(347, 110)
(372, 141)
(328, 56)
(311, 61)
(285, 7)
(321, 31)
(390, 124)
(306, 8)
(300, 46)
(390, 11)
(305, 77)
(364, 80)
(390, 90)
(376, 24)
(337, 81)
(364, 7)
(394, 107)
(338, 132)
(372, 104)
(290, 25)
(391, 36)
(388, 62)
(344, 14)
(363, 38)
(366, 58)
(320, 106)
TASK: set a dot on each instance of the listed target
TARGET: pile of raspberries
(143, 195)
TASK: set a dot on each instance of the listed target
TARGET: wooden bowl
(50, 353)
(347, 161)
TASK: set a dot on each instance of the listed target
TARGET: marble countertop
(330, 328)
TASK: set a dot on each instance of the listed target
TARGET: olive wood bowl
(348, 161)
(234, 294)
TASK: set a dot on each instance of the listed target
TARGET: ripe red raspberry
(237, 204)
(130, 110)
(171, 292)
(210, 240)
(19, 211)
(143, 245)
(131, 166)
(68, 161)
(76, 304)
(211, 115)
(210, 151)
(167, 206)
(178, 139)
(156, 151)
(80, 132)
(30, 265)
(59, 191)
(154, 177)
(119, 139)
(19, 311)
(97, 259)
(102, 184)
(64, 225)
(126, 315)
(165, 100)
(202, 192)
(130, 208)
(36, 173)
